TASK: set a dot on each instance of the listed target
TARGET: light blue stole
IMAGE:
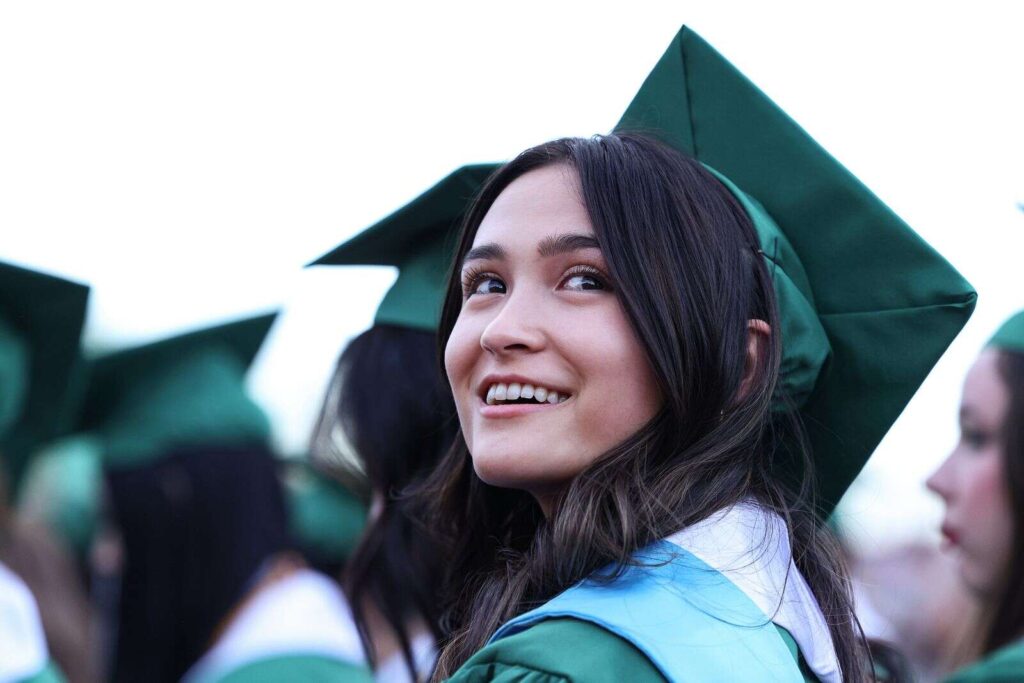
(687, 618)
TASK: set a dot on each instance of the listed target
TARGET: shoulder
(1003, 666)
(561, 650)
(49, 674)
(300, 620)
(311, 668)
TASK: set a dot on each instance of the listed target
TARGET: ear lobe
(759, 333)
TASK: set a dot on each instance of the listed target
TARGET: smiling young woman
(982, 485)
(633, 343)
(624, 278)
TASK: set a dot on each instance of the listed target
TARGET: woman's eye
(974, 438)
(582, 281)
(485, 283)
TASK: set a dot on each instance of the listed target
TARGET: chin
(513, 470)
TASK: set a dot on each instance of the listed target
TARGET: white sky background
(186, 159)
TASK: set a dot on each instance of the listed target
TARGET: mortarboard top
(41, 318)
(185, 390)
(867, 306)
(418, 239)
(1010, 335)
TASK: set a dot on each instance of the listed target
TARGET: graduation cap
(419, 239)
(1010, 335)
(866, 306)
(41, 318)
(325, 517)
(181, 391)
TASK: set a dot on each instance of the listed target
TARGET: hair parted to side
(685, 261)
(1005, 616)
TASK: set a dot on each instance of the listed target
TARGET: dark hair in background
(1005, 621)
(683, 259)
(197, 526)
(396, 409)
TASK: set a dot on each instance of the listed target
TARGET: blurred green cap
(325, 517)
(188, 390)
(41, 318)
(1010, 335)
(419, 239)
(867, 307)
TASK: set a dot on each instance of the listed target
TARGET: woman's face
(546, 370)
(978, 525)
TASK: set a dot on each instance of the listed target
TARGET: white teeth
(512, 391)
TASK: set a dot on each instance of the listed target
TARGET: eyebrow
(548, 247)
(484, 252)
(564, 244)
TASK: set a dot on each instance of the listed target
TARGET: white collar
(394, 669)
(750, 546)
(305, 613)
(23, 651)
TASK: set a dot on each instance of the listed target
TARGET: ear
(758, 335)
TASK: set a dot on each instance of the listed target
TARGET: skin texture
(978, 525)
(551, 317)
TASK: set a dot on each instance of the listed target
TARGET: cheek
(460, 354)
(622, 390)
(989, 540)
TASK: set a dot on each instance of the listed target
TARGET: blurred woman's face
(546, 370)
(978, 525)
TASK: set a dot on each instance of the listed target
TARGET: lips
(950, 535)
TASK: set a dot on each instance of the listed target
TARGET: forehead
(985, 394)
(544, 202)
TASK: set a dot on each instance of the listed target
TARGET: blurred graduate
(982, 485)
(210, 587)
(388, 402)
(43, 613)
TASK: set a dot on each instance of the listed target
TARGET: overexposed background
(186, 159)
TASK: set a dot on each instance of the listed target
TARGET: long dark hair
(198, 524)
(687, 269)
(1005, 620)
(395, 408)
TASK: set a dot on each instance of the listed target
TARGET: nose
(940, 482)
(516, 328)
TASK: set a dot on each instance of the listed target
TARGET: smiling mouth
(515, 393)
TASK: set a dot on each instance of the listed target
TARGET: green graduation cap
(419, 239)
(867, 306)
(187, 389)
(41, 318)
(1010, 335)
(325, 517)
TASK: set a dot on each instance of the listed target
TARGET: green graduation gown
(1005, 665)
